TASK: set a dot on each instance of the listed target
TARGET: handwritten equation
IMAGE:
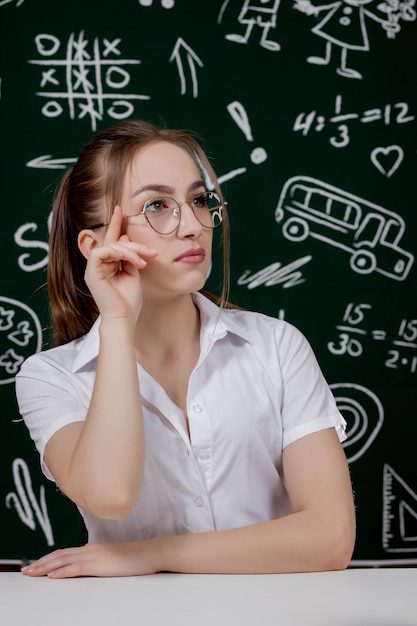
(89, 79)
(352, 333)
(314, 121)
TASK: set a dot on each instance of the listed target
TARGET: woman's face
(184, 256)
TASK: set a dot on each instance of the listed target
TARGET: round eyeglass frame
(178, 206)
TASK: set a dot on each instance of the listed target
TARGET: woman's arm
(319, 535)
(99, 463)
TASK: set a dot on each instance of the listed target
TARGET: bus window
(345, 212)
(370, 230)
(319, 202)
(299, 195)
(392, 232)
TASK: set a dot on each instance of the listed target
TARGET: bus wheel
(363, 262)
(295, 229)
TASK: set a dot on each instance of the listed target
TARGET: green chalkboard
(308, 110)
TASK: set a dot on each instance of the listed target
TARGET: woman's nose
(189, 225)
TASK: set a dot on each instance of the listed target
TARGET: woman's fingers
(115, 227)
(95, 559)
(113, 271)
(69, 563)
(123, 250)
(117, 247)
(51, 563)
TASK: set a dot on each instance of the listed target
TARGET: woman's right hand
(136, 558)
(113, 272)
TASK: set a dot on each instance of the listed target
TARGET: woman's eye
(200, 202)
(159, 204)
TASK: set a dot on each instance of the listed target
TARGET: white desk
(356, 597)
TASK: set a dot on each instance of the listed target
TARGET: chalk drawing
(275, 274)
(356, 330)
(262, 15)
(184, 55)
(387, 160)
(47, 162)
(397, 10)
(364, 414)
(238, 113)
(403, 355)
(344, 26)
(90, 80)
(350, 337)
(399, 517)
(20, 336)
(165, 4)
(370, 233)
(25, 260)
(25, 503)
(388, 114)
(18, 3)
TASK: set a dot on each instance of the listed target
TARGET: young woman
(193, 437)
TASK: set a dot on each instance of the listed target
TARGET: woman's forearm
(319, 535)
(105, 470)
(299, 542)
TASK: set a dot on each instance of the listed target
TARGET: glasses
(163, 214)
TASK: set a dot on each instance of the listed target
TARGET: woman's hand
(97, 559)
(113, 272)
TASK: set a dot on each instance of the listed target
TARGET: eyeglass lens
(163, 213)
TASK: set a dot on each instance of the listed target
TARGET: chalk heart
(387, 160)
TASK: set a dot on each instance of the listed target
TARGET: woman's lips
(192, 256)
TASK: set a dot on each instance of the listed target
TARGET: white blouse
(256, 388)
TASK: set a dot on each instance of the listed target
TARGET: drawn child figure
(263, 14)
(344, 26)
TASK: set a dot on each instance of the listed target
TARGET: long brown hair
(98, 176)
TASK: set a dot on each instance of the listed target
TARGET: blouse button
(204, 454)
(197, 408)
(198, 501)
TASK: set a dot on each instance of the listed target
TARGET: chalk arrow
(46, 162)
(192, 59)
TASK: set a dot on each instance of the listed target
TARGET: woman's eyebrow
(152, 187)
(197, 184)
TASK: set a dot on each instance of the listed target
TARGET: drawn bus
(370, 233)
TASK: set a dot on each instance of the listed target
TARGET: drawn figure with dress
(344, 25)
(262, 13)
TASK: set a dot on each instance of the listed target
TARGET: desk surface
(356, 597)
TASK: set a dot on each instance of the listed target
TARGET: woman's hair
(97, 178)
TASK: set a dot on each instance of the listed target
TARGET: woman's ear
(87, 240)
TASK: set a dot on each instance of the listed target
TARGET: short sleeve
(48, 400)
(308, 404)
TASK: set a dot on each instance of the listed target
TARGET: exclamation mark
(238, 113)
